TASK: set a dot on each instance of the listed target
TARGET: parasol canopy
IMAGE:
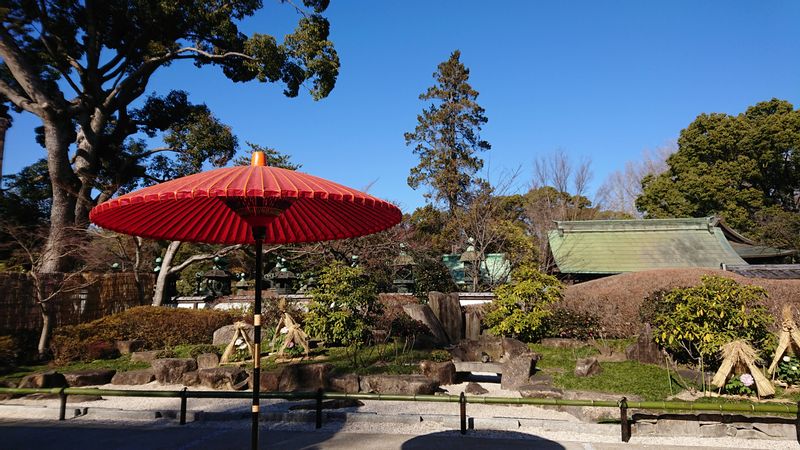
(252, 204)
(222, 206)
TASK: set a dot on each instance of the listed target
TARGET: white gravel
(558, 426)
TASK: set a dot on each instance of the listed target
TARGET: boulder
(399, 384)
(447, 309)
(587, 367)
(513, 348)
(297, 377)
(269, 380)
(424, 314)
(541, 379)
(171, 370)
(147, 356)
(128, 347)
(472, 325)
(207, 361)
(223, 335)
(443, 372)
(89, 377)
(540, 391)
(190, 378)
(644, 349)
(6, 384)
(487, 347)
(344, 383)
(475, 389)
(517, 370)
(132, 377)
(305, 377)
(222, 377)
(43, 380)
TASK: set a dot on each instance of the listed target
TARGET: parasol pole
(258, 235)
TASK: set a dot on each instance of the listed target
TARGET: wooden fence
(84, 298)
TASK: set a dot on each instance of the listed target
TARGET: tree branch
(203, 257)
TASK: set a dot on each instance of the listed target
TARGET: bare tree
(28, 244)
(621, 188)
(558, 191)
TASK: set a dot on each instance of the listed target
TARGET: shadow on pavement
(497, 440)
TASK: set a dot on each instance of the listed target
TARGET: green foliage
(788, 370)
(447, 136)
(344, 306)
(695, 322)
(440, 355)
(733, 166)
(568, 324)
(520, 309)
(735, 386)
(156, 327)
(431, 275)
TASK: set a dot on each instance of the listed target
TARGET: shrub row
(156, 327)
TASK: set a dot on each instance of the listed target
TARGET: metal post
(183, 407)
(623, 420)
(319, 408)
(258, 235)
(62, 409)
(462, 401)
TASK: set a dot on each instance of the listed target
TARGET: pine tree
(447, 137)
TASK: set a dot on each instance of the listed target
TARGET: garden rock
(89, 377)
(540, 391)
(128, 347)
(269, 380)
(147, 356)
(513, 348)
(424, 314)
(517, 370)
(224, 335)
(6, 384)
(207, 361)
(541, 379)
(344, 383)
(443, 372)
(447, 309)
(190, 378)
(475, 389)
(305, 377)
(43, 380)
(222, 377)
(472, 326)
(132, 377)
(399, 384)
(644, 349)
(171, 370)
(587, 367)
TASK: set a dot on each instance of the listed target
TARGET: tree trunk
(65, 184)
(163, 273)
(47, 326)
(4, 124)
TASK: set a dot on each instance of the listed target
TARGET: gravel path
(384, 417)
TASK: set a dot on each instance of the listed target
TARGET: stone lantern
(218, 280)
(281, 278)
(403, 266)
(471, 261)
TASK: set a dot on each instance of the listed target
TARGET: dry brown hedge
(616, 300)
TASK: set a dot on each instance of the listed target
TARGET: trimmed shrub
(568, 324)
(156, 327)
(344, 306)
(693, 323)
(521, 308)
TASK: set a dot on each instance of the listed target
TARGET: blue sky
(603, 80)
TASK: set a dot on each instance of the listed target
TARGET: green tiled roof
(616, 246)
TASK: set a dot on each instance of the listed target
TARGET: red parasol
(247, 205)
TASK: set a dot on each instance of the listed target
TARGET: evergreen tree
(447, 137)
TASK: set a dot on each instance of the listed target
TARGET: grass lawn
(627, 377)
